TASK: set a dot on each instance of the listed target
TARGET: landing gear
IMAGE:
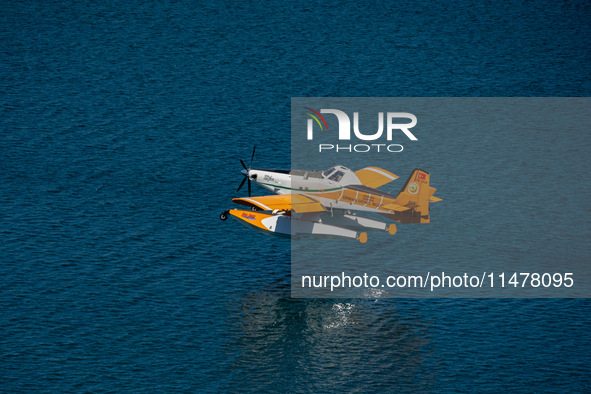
(224, 215)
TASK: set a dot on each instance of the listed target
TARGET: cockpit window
(337, 176)
(327, 172)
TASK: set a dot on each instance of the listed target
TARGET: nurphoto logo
(345, 130)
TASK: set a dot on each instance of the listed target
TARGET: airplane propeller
(246, 175)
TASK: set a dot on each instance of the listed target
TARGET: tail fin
(415, 194)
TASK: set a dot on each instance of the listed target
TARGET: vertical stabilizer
(415, 194)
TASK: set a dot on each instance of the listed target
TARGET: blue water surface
(122, 124)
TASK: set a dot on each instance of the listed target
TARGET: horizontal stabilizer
(396, 207)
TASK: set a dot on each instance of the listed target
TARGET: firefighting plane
(324, 204)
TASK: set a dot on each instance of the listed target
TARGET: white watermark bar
(435, 197)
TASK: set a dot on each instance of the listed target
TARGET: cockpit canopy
(337, 173)
(328, 172)
(337, 176)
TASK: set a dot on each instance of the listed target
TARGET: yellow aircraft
(320, 203)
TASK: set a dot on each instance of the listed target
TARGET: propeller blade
(248, 187)
(242, 184)
(252, 158)
(243, 165)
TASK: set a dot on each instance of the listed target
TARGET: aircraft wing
(299, 203)
(374, 177)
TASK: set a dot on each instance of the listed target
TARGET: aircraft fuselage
(293, 181)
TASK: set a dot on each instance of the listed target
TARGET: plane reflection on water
(315, 343)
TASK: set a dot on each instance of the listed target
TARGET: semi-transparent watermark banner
(439, 197)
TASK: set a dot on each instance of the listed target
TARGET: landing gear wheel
(224, 215)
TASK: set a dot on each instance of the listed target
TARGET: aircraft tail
(416, 195)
